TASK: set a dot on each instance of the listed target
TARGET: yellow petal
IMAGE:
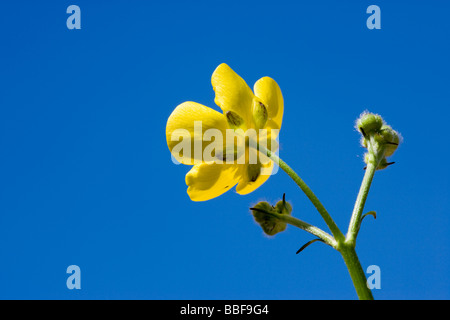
(186, 126)
(232, 92)
(268, 91)
(207, 181)
(254, 176)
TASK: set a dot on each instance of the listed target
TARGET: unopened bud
(263, 213)
(369, 123)
(379, 138)
(283, 207)
(391, 138)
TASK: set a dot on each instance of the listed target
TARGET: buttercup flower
(255, 117)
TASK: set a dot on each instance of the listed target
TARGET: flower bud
(260, 114)
(283, 207)
(379, 138)
(391, 138)
(263, 213)
(369, 123)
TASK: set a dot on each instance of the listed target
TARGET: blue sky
(87, 178)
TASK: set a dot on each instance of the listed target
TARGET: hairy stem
(311, 196)
(356, 272)
(355, 220)
(327, 238)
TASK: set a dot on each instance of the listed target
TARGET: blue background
(86, 177)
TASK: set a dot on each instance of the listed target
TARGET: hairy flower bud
(378, 138)
(369, 123)
(265, 216)
(283, 207)
(391, 138)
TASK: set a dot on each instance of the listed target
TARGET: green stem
(311, 196)
(356, 272)
(327, 238)
(355, 220)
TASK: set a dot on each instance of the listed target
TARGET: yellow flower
(242, 110)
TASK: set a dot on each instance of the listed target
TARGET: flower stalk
(355, 220)
(327, 238)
